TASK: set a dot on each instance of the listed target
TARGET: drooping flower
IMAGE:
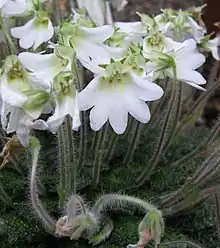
(86, 41)
(116, 92)
(15, 119)
(46, 66)
(211, 45)
(20, 91)
(179, 25)
(180, 64)
(156, 41)
(65, 95)
(35, 31)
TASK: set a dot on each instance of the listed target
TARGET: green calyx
(204, 41)
(116, 39)
(148, 22)
(37, 4)
(168, 15)
(166, 61)
(134, 59)
(41, 20)
(36, 99)
(64, 85)
(196, 12)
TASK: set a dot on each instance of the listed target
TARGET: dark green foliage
(22, 229)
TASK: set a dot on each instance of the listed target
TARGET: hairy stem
(114, 200)
(111, 146)
(36, 203)
(99, 155)
(71, 166)
(160, 144)
(136, 135)
(177, 243)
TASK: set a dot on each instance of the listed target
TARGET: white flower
(17, 8)
(156, 41)
(131, 28)
(34, 32)
(95, 9)
(211, 46)
(179, 25)
(87, 42)
(46, 66)
(181, 64)
(197, 31)
(20, 91)
(66, 102)
(14, 81)
(115, 93)
(15, 119)
(214, 45)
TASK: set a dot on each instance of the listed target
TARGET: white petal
(54, 124)
(130, 27)
(27, 41)
(172, 45)
(88, 49)
(98, 116)
(191, 61)
(98, 34)
(146, 90)
(118, 117)
(193, 78)
(19, 32)
(139, 110)
(12, 95)
(49, 33)
(39, 38)
(35, 62)
(87, 97)
(214, 46)
(2, 2)
(14, 118)
(197, 31)
(38, 124)
(76, 123)
(62, 109)
(5, 110)
(42, 66)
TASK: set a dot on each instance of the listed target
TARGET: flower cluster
(125, 58)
